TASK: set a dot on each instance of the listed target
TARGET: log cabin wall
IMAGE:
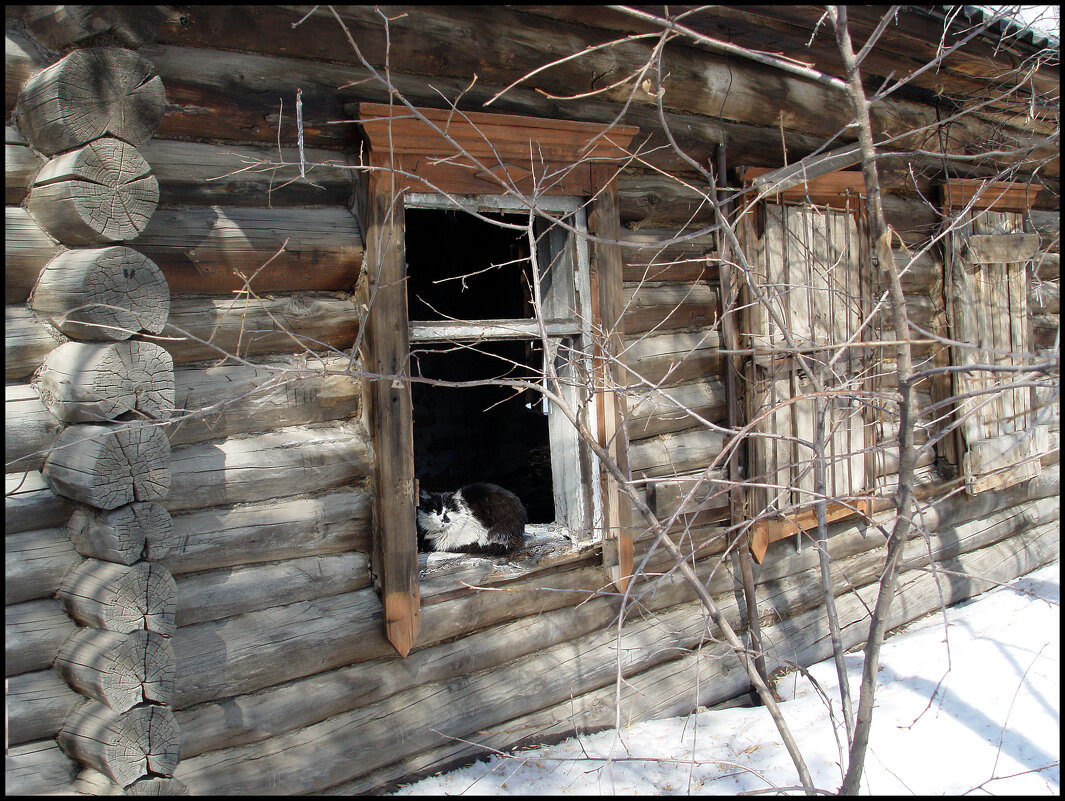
(283, 680)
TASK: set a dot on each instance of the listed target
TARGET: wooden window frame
(418, 151)
(841, 190)
(973, 456)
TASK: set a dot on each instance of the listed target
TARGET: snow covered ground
(992, 726)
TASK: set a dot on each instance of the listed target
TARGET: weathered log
(199, 329)
(29, 503)
(89, 93)
(213, 250)
(647, 259)
(673, 357)
(27, 248)
(240, 654)
(100, 193)
(39, 768)
(143, 529)
(227, 535)
(468, 704)
(83, 382)
(658, 411)
(224, 536)
(1045, 328)
(58, 26)
(28, 340)
(35, 563)
(288, 461)
(37, 705)
(207, 250)
(91, 782)
(707, 84)
(286, 707)
(22, 58)
(33, 634)
(668, 307)
(670, 454)
(124, 746)
(29, 429)
(110, 466)
(669, 496)
(203, 174)
(20, 165)
(285, 324)
(241, 399)
(102, 293)
(121, 598)
(214, 594)
(120, 670)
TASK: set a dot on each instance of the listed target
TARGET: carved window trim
(454, 154)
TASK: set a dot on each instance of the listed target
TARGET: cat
(478, 518)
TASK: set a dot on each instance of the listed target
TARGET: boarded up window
(988, 281)
(808, 366)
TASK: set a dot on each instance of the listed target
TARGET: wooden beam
(989, 195)
(767, 531)
(608, 290)
(385, 351)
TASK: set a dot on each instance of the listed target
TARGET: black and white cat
(478, 518)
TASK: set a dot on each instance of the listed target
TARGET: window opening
(470, 303)
(989, 254)
(811, 274)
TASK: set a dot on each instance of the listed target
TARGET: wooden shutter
(807, 269)
(988, 263)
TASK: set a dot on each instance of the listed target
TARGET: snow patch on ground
(970, 701)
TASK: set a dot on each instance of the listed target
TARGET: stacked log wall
(278, 646)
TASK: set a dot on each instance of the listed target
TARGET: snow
(970, 705)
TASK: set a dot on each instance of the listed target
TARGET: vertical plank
(604, 222)
(385, 350)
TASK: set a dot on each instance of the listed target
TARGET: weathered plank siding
(284, 681)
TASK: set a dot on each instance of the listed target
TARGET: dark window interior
(461, 267)
(485, 433)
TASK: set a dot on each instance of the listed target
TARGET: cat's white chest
(461, 527)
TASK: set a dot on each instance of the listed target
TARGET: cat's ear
(423, 497)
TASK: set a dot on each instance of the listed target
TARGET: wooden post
(607, 289)
(730, 338)
(385, 352)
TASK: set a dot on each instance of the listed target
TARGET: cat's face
(436, 511)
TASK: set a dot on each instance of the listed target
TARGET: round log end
(110, 466)
(140, 530)
(102, 293)
(101, 193)
(89, 93)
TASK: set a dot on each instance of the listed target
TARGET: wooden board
(809, 276)
(989, 301)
